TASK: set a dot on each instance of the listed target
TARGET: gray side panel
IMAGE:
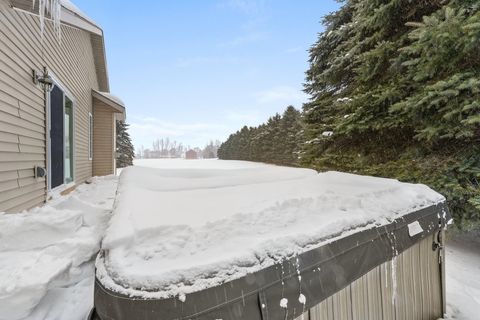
(416, 297)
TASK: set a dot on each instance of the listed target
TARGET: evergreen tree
(290, 136)
(125, 150)
(397, 83)
(395, 91)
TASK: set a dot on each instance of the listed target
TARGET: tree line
(166, 148)
(276, 141)
(394, 91)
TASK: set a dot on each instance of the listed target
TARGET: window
(90, 136)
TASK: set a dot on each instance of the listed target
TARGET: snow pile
(46, 267)
(188, 225)
(203, 164)
(463, 279)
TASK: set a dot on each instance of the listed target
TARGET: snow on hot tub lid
(178, 231)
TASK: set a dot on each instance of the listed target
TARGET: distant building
(191, 154)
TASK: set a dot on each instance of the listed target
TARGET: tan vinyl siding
(103, 139)
(22, 106)
(100, 62)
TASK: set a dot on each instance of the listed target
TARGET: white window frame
(66, 94)
(90, 136)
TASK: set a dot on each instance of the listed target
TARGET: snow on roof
(111, 97)
(60, 11)
(188, 225)
(67, 4)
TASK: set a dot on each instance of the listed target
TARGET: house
(57, 117)
(191, 154)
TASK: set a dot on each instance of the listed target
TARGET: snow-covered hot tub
(240, 240)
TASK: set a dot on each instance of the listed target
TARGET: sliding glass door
(61, 138)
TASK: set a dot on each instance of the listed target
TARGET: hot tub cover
(241, 240)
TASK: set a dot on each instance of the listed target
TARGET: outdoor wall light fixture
(43, 79)
(40, 172)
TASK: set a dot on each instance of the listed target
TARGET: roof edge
(73, 19)
(68, 16)
(115, 103)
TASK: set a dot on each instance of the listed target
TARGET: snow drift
(178, 230)
(46, 267)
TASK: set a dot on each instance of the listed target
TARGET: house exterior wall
(416, 275)
(23, 143)
(191, 154)
(103, 139)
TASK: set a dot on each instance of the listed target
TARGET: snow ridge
(46, 254)
(176, 230)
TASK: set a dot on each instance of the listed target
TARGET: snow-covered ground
(463, 279)
(47, 254)
(180, 226)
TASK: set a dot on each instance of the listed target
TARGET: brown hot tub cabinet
(393, 271)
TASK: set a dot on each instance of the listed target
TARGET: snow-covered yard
(463, 279)
(47, 254)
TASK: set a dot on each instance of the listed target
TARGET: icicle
(393, 241)
(394, 280)
(52, 8)
(283, 273)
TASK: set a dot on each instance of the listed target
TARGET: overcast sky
(196, 71)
